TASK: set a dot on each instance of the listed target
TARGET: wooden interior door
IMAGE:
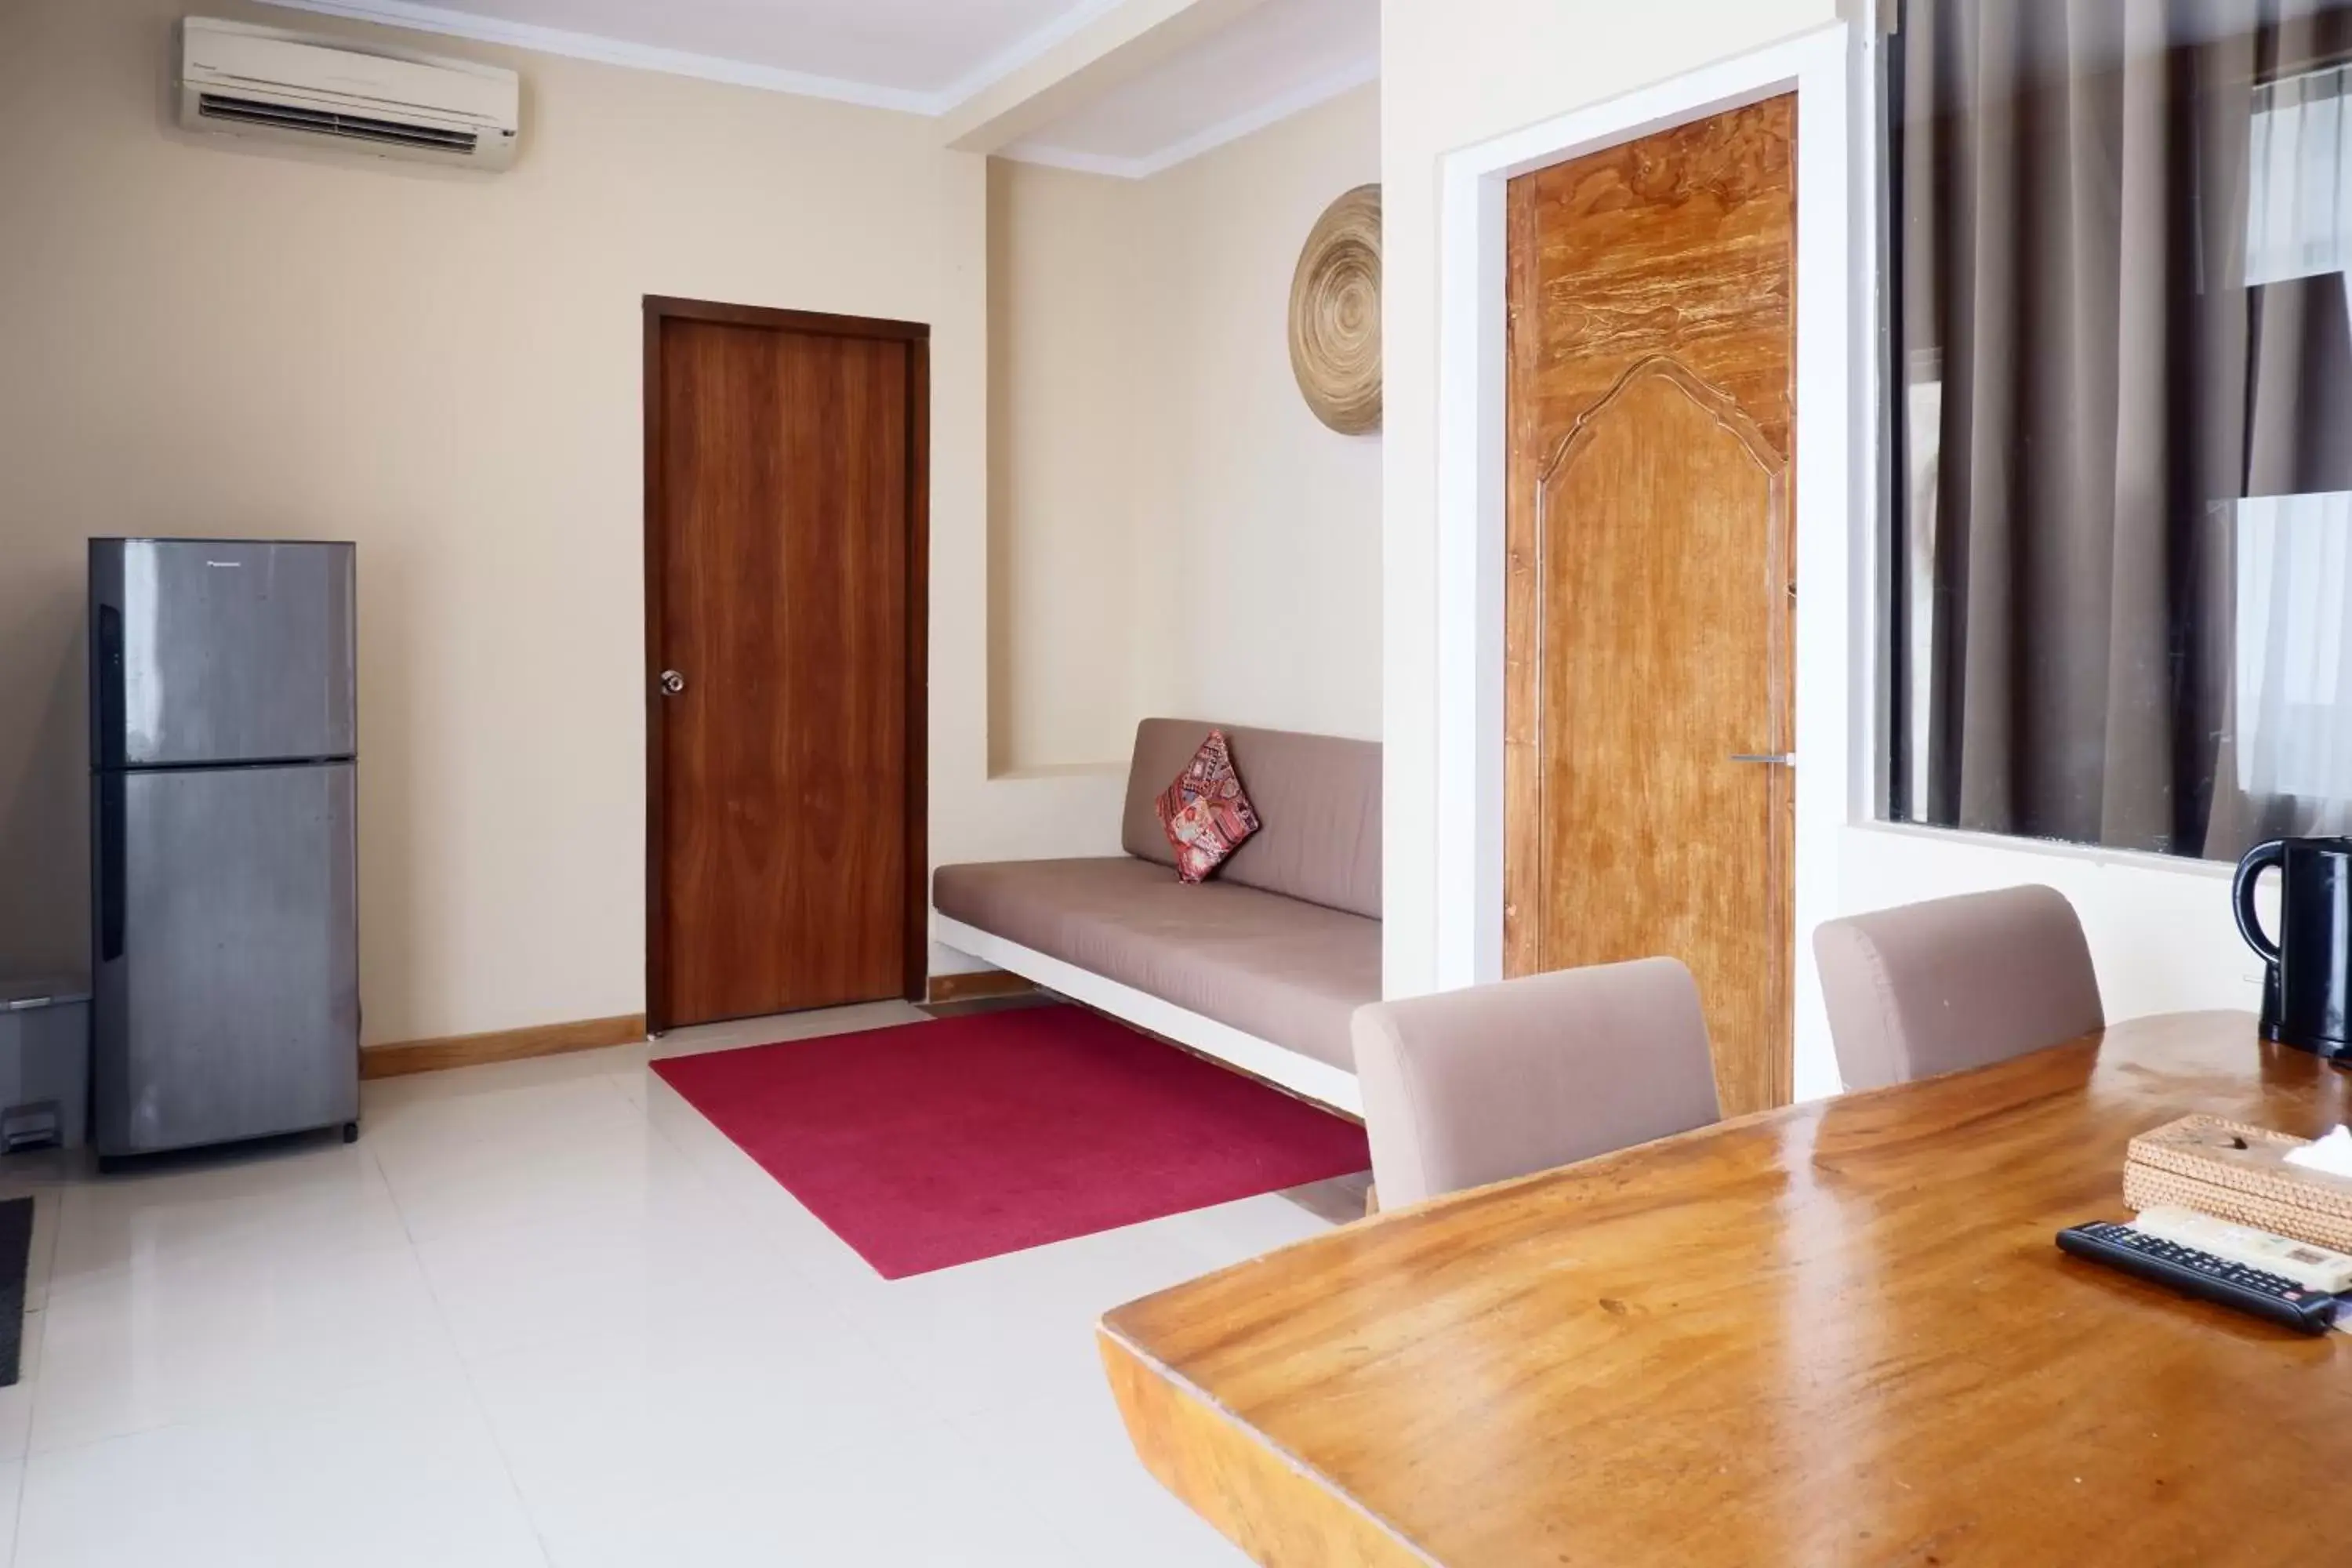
(784, 539)
(1649, 581)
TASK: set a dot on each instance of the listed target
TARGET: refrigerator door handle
(107, 745)
(111, 813)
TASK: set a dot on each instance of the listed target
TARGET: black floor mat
(15, 1257)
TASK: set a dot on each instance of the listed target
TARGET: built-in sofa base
(1302, 1075)
(1263, 967)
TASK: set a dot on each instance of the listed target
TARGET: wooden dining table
(1834, 1334)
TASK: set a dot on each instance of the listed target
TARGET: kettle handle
(2260, 858)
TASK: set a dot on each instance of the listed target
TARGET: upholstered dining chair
(1470, 1086)
(1954, 983)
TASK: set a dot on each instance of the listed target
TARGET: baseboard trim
(1300, 1075)
(974, 984)
(406, 1057)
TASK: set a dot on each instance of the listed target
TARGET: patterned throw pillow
(1204, 811)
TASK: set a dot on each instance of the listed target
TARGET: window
(2121, 412)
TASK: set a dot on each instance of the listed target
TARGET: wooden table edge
(1269, 1501)
(1258, 1494)
(1285, 1513)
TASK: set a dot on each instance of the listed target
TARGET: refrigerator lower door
(227, 1002)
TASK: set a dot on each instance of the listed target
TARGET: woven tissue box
(2234, 1172)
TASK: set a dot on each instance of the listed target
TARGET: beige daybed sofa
(1262, 964)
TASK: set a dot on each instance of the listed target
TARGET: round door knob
(672, 683)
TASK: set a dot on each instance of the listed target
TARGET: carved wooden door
(1650, 586)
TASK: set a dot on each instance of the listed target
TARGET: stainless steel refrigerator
(223, 750)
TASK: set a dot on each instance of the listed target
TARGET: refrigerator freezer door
(227, 1002)
(221, 651)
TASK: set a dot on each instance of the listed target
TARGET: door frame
(1827, 69)
(916, 807)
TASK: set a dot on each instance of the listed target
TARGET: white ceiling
(1282, 57)
(921, 55)
(928, 56)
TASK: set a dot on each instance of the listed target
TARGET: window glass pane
(2293, 695)
(2123, 357)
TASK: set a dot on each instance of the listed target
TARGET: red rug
(928, 1146)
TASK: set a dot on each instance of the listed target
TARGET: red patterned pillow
(1204, 811)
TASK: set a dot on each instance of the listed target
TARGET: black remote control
(2202, 1275)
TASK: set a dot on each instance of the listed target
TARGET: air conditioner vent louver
(325, 122)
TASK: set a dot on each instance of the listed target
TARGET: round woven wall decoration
(1335, 314)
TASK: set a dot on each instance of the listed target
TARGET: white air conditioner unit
(392, 102)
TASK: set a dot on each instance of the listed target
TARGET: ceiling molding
(454, 24)
(1297, 100)
(1074, 162)
(1005, 61)
(1127, 40)
(412, 16)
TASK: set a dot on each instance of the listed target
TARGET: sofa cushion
(1318, 799)
(1286, 972)
(1206, 813)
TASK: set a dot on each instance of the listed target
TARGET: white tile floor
(544, 1313)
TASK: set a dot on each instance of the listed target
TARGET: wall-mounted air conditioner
(392, 102)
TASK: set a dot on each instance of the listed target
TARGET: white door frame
(1828, 68)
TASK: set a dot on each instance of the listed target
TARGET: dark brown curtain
(2101, 387)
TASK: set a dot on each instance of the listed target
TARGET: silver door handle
(1776, 758)
(671, 683)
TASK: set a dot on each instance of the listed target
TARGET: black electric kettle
(2307, 995)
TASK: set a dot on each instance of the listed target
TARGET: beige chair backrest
(1471, 1087)
(1954, 983)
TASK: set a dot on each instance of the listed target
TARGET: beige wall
(1071, 428)
(1262, 537)
(1454, 73)
(1171, 530)
(201, 335)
